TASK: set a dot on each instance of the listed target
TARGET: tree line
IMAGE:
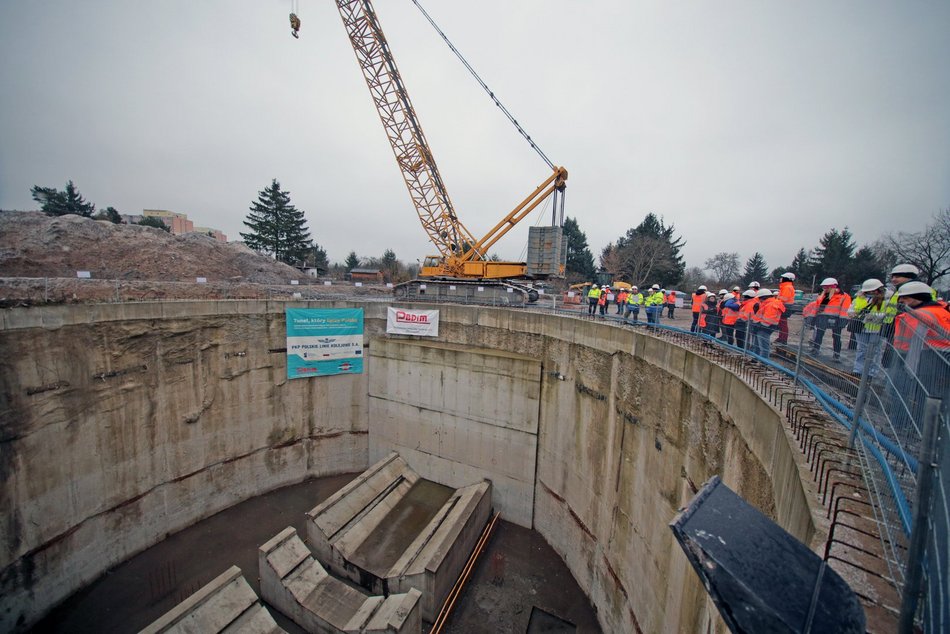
(837, 255)
(648, 253)
(651, 253)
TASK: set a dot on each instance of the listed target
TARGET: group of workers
(903, 327)
(880, 316)
(748, 319)
(629, 302)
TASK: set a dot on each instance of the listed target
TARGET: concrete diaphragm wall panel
(126, 422)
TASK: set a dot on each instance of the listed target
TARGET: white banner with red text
(406, 321)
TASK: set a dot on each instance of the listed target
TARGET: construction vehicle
(462, 268)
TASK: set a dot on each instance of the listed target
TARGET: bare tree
(725, 266)
(928, 250)
(693, 278)
(639, 261)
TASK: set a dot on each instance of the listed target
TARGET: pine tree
(277, 228)
(110, 214)
(834, 256)
(59, 203)
(352, 261)
(580, 261)
(865, 265)
(755, 269)
(801, 265)
(389, 265)
(317, 258)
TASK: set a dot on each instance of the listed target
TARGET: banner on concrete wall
(405, 321)
(324, 341)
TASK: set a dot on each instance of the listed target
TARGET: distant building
(366, 275)
(214, 233)
(177, 223)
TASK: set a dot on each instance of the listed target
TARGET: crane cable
(484, 86)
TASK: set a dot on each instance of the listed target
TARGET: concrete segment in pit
(227, 603)
(389, 530)
(297, 585)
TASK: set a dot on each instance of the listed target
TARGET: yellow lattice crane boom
(461, 255)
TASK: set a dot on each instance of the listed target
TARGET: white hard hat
(736, 288)
(710, 294)
(702, 288)
(914, 288)
(829, 281)
(749, 293)
(753, 285)
(655, 287)
(634, 288)
(871, 285)
(764, 293)
(723, 291)
(788, 276)
(905, 270)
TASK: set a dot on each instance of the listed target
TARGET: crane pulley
(294, 19)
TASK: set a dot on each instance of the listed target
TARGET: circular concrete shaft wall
(124, 423)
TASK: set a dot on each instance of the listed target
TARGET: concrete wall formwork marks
(123, 423)
(459, 414)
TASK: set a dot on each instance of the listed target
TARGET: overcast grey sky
(749, 125)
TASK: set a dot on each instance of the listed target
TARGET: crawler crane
(462, 268)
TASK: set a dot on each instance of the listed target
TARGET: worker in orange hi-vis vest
(602, 300)
(670, 303)
(743, 326)
(699, 297)
(928, 321)
(831, 311)
(767, 320)
(710, 316)
(728, 314)
(786, 293)
(621, 299)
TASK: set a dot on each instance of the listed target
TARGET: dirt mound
(33, 244)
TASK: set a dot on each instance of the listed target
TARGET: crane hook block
(294, 25)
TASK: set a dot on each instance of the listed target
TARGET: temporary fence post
(920, 527)
(863, 388)
(45, 290)
(801, 351)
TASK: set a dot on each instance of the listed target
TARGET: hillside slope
(33, 244)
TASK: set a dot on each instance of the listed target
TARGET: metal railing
(885, 473)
